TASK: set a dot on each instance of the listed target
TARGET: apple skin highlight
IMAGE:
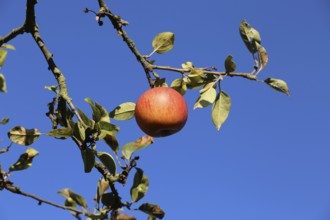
(161, 112)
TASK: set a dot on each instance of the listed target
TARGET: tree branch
(9, 186)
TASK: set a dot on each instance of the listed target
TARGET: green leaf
(250, 36)
(108, 199)
(160, 82)
(151, 217)
(102, 187)
(106, 128)
(188, 65)
(78, 199)
(88, 159)
(99, 112)
(124, 111)
(179, 85)
(79, 131)
(3, 86)
(220, 109)
(61, 133)
(153, 210)
(140, 185)
(129, 148)
(206, 98)
(69, 202)
(230, 65)
(84, 117)
(8, 46)
(107, 161)
(163, 42)
(112, 142)
(23, 136)
(52, 88)
(278, 85)
(25, 160)
(3, 55)
(4, 121)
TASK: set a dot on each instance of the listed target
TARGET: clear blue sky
(269, 161)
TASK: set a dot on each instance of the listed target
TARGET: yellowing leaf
(179, 85)
(278, 85)
(206, 98)
(152, 210)
(188, 65)
(220, 109)
(129, 148)
(3, 56)
(163, 42)
(25, 160)
(3, 86)
(263, 58)
(23, 136)
(61, 133)
(124, 111)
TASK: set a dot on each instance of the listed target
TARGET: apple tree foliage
(69, 122)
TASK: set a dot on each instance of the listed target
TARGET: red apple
(161, 112)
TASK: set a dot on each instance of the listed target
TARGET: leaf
(278, 85)
(52, 88)
(4, 121)
(179, 85)
(25, 160)
(8, 46)
(153, 210)
(68, 193)
(3, 86)
(88, 159)
(112, 142)
(221, 109)
(230, 65)
(124, 111)
(163, 42)
(79, 131)
(102, 187)
(250, 36)
(99, 112)
(263, 57)
(107, 161)
(206, 98)
(3, 56)
(61, 133)
(151, 217)
(108, 199)
(23, 136)
(188, 65)
(124, 217)
(84, 117)
(129, 148)
(69, 202)
(160, 82)
(140, 185)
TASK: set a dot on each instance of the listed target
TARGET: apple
(161, 111)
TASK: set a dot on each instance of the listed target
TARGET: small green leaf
(140, 185)
(79, 131)
(69, 202)
(3, 56)
(263, 57)
(124, 111)
(88, 159)
(179, 85)
(102, 187)
(84, 117)
(25, 160)
(107, 161)
(112, 142)
(78, 199)
(221, 109)
(99, 112)
(129, 148)
(206, 98)
(23, 136)
(163, 42)
(52, 88)
(61, 133)
(3, 86)
(188, 65)
(153, 210)
(8, 46)
(230, 65)
(250, 36)
(278, 85)
(4, 121)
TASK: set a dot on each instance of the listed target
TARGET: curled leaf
(78, 199)
(250, 36)
(206, 98)
(263, 58)
(124, 111)
(3, 86)
(179, 85)
(25, 160)
(129, 148)
(188, 65)
(140, 185)
(152, 210)
(278, 84)
(230, 65)
(107, 161)
(220, 109)
(163, 42)
(23, 136)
